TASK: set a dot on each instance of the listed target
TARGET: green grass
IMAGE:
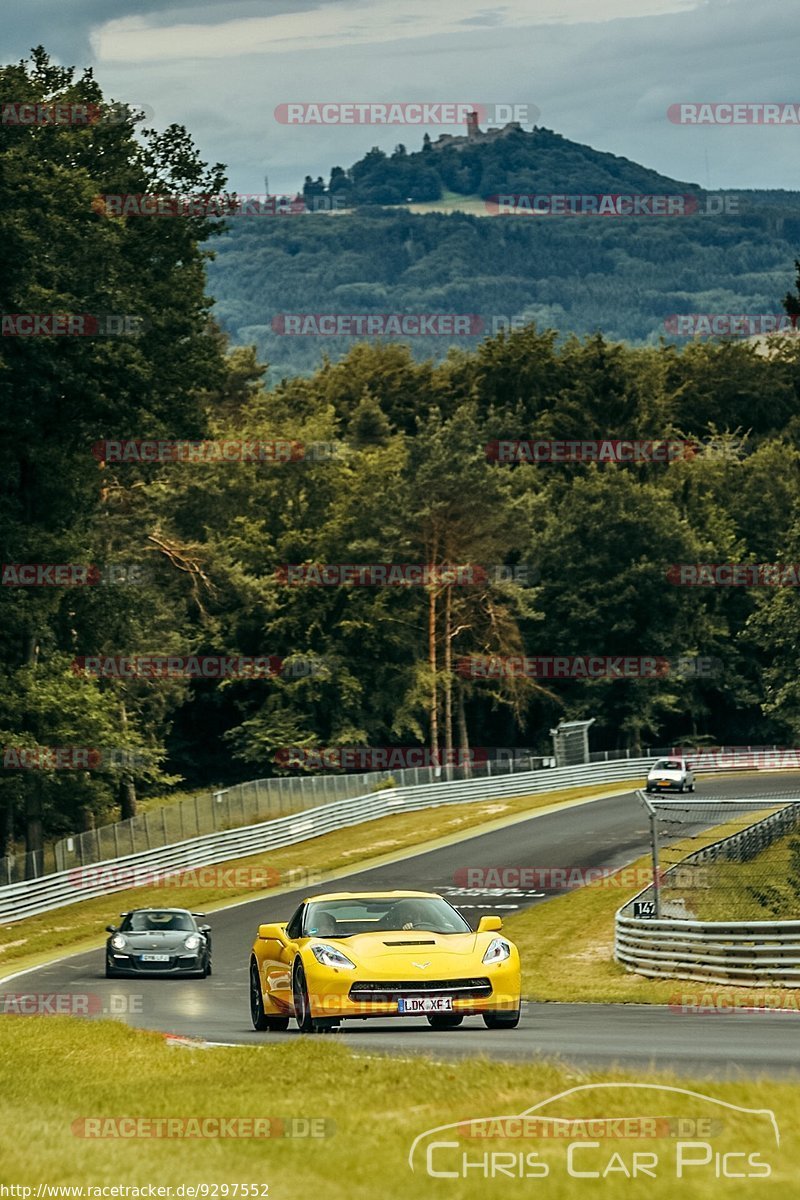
(757, 890)
(80, 926)
(58, 1070)
(449, 202)
(152, 803)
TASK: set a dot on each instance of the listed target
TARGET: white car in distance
(670, 775)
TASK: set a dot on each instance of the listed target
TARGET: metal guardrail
(254, 800)
(227, 808)
(34, 896)
(758, 953)
(266, 799)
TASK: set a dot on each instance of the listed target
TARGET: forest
(389, 461)
(630, 278)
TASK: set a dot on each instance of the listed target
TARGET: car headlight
(118, 942)
(498, 950)
(192, 941)
(329, 956)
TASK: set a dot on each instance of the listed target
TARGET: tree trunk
(434, 715)
(7, 828)
(127, 786)
(30, 650)
(127, 797)
(448, 678)
(463, 735)
(34, 834)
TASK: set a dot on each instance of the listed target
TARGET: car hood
(161, 943)
(409, 947)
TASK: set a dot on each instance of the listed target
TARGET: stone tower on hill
(475, 134)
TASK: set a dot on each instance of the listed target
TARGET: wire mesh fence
(230, 808)
(724, 859)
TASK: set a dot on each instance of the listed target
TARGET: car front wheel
(260, 1020)
(444, 1020)
(302, 1007)
(495, 1020)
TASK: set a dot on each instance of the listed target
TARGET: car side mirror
(111, 929)
(205, 928)
(490, 925)
(273, 933)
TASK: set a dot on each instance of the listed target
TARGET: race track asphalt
(606, 833)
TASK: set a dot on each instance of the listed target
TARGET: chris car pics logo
(615, 1132)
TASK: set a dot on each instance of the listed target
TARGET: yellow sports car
(382, 954)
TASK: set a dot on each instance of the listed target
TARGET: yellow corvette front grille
(388, 990)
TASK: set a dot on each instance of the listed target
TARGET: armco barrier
(246, 803)
(265, 799)
(756, 953)
(68, 887)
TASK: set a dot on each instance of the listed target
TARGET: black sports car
(158, 941)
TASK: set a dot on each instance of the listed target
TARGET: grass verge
(79, 926)
(57, 1071)
(765, 888)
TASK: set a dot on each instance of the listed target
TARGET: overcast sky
(602, 72)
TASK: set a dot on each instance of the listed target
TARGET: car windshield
(388, 914)
(668, 764)
(155, 921)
